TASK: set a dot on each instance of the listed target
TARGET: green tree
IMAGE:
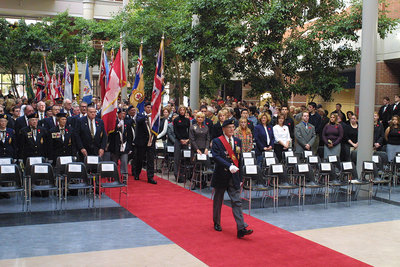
(283, 47)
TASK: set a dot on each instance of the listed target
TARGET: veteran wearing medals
(7, 139)
(33, 139)
(227, 177)
(62, 139)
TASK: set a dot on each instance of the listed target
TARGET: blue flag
(87, 89)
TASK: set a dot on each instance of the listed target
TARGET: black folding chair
(110, 178)
(200, 173)
(11, 181)
(76, 178)
(185, 165)
(42, 178)
(250, 154)
(250, 173)
(325, 169)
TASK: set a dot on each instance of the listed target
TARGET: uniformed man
(62, 139)
(91, 135)
(227, 177)
(33, 139)
(120, 142)
(7, 139)
(145, 144)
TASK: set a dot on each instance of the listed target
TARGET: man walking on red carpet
(227, 176)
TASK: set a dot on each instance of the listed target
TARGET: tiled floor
(111, 236)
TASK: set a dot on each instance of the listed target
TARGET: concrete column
(367, 81)
(124, 91)
(194, 76)
(88, 9)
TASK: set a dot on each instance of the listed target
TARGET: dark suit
(223, 180)
(84, 137)
(142, 149)
(395, 110)
(261, 140)
(8, 144)
(48, 123)
(59, 147)
(20, 123)
(379, 134)
(69, 112)
(29, 147)
(385, 115)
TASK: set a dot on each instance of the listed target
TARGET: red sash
(228, 148)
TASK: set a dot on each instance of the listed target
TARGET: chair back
(249, 161)
(286, 154)
(267, 162)
(42, 172)
(276, 169)
(307, 153)
(91, 163)
(30, 161)
(61, 162)
(10, 176)
(170, 149)
(250, 154)
(201, 157)
(251, 170)
(313, 160)
(6, 161)
(292, 160)
(76, 170)
(368, 167)
(302, 168)
(108, 169)
(333, 159)
(346, 167)
(325, 167)
(268, 154)
(186, 153)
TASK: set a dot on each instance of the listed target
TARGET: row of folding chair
(38, 175)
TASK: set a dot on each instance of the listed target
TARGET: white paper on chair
(65, 160)
(74, 168)
(292, 160)
(92, 160)
(270, 161)
(201, 157)
(277, 168)
(107, 167)
(210, 155)
(249, 161)
(186, 153)
(325, 167)
(303, 168)
(247, 155)
(307, 153)
(159, 145)
(332, 159)
(251, 169)
(268, 154)
(289, 154)
(170, 149)
(41, 169)
(35, 160)
(313, 159)
(5, 161)
(397, 159)
(375, 158)
(8, 169)
(368, 166)
(347, 166)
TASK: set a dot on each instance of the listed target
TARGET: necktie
(91, 129)
(62, 133)
(40, 116)
(3, 135)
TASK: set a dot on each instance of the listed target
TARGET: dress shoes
(243, 232)
(217, 227)
(151, 181)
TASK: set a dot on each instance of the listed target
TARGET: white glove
(233, 169)
(120, 124)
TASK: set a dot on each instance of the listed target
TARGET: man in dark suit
(120, 142)
(227, 177)
(33, 140)
(7, 139)
(145, 144)
(51, 122)
(83, 109)
(22, 121)
(67, 107)
(396, 106)
(385, 112)
(91, 135)
(305, 134)
(62, 139)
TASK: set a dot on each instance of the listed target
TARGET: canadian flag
(116, 81)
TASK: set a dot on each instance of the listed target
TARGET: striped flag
(67, 82)
(87, 87)
(104, 73)
(137, 95)
(158, 90)
(117, 80)
(40, 87)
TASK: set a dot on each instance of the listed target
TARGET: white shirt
(227, 139)
(281, 133)
(266, 132)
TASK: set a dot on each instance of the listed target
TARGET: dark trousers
(236, 203)
(278, 149)
(143, 152)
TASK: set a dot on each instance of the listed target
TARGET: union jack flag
(40, 87)
(158, 89)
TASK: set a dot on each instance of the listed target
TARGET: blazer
(8, 147)
(171, 138)
(84, 137)
(142, 133)
(260, 138)
(58, 147)
(48, 123)
(379, 133)
(394, 110)
(385, 116)
(304, 135)
(31, 148)
(19, 124)
(222, 175)
(114, 138)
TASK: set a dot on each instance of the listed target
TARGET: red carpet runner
(185, 218)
